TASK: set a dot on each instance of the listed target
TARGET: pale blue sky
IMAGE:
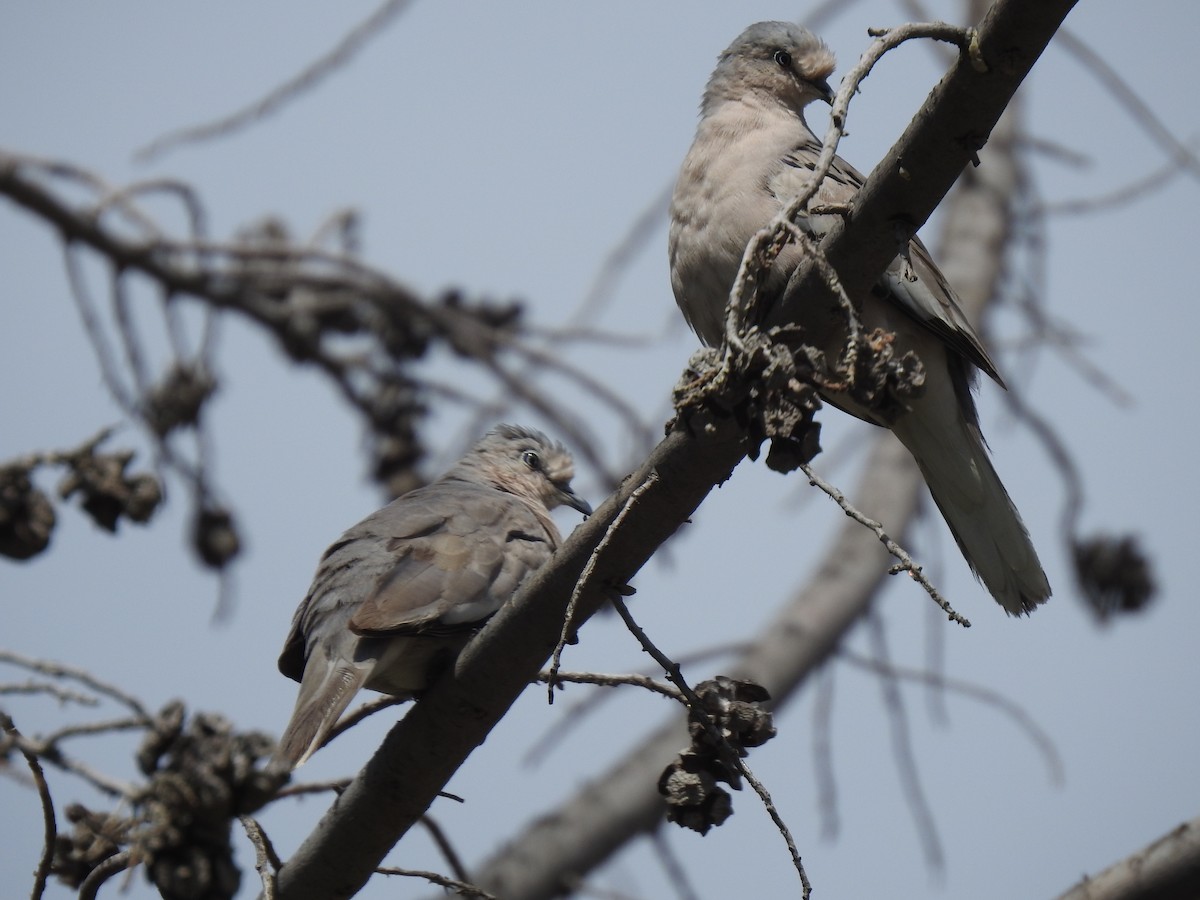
(504, 150)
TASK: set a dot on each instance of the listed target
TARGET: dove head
(524, 462)
(775, 62)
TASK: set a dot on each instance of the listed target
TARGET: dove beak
(569, 498)
(824, 90)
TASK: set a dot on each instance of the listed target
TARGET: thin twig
(61, 670)
(1066, 342)
(313, 787)
(598, 678)
(839, 456)
(902, 749)
(585, 578)
(577, 711)
(30, 461)
(597, 297)
(822, 745)
(89, 728)
(127, 330)
(1056, 448)
(906, 562)
(577, 886)
(462, 887)
(266, 861)
(1037, 735)
(58, 168)
(673, 866)
(105, 870)
(696, 708)
(1118, 197)
(601, 337)
(369, 708)
(1047, 149)
(341, 230)
(817, 17)
(122, 198)
(52, 754)
(935, 658)
(1127, 97)
(105, 356)
(49, 821)
(621, 255)
(447, 849)
(341, 54)
(61, 694)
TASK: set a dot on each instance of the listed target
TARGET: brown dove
(398, 596)
(752, 154)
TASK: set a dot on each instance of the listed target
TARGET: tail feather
(325, 693)
(982, 517)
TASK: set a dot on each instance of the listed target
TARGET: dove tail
(983, 519)
(325, 693)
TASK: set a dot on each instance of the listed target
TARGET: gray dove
(752, 154)
(398, 596)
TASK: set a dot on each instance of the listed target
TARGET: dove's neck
(775, 128)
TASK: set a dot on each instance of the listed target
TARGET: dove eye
(783, 58)
(531, 459)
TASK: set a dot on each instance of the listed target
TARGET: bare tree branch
(61, 670)
(63, 695)
(676, 872)
(906, 562)
(1168, 869)
(266, 861)
(1127, 193)
(697, 711)
(104, 871)
(459, 887)
(1133, 103)
(902, 749)
(822, 749)
(1020, 717)
(49, 822)
(341, 54)
(445, 847)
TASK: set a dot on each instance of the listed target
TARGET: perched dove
(752, 153)
(397, 596)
